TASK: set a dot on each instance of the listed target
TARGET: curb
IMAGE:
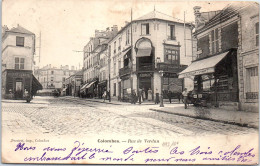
(211, 119)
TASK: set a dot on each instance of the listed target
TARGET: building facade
(18, 49)
(73, 84)
(52, 77)
(94, 63)
(222, 41)
(248, 60)
(147, 54)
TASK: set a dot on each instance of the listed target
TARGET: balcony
(173, 68)
(124, 71)
(145, 68)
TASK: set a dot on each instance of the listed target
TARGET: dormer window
(19, 41)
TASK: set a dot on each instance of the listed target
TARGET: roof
(226, 13)
(20, 29)
(158, 15)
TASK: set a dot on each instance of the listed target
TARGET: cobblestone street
(68, 116)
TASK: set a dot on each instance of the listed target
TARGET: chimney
(197, 16)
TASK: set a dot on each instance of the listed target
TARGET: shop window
(208, 82)
(214, 41)
(20, 41)
(145, 29)
(171, 30)
(257, 33)
(19, 63)
(252, 83)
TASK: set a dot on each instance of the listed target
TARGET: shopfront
(215, 77)
(16, 83)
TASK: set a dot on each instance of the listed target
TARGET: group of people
(141, 96)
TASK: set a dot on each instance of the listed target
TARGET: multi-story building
(94, 53)
(53, 77)
(225, 72)
(147, 53)
(73, 84)
(18, 49)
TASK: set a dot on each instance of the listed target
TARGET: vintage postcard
(130, 82)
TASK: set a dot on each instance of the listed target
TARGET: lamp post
(161, 101)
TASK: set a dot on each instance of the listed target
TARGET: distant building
(95, 53)
(226, 67)
(73, 84)
(18, 49)
(52, 77)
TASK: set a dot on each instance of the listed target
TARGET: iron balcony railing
(170, 67)
(124, 71)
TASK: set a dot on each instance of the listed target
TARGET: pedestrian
(133, 97)
(185, 96)
(150, 94)
(170, 96)
(143, 94)
(157, 100)
(140, 93)
(104, 95)
(179, 96)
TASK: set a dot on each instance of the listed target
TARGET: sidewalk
(113, 101)
(241, 118)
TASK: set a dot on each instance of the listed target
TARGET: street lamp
(161, 101)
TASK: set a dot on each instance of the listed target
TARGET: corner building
(152, 43)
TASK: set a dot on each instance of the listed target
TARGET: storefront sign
(198, 72)
(24, 75)
(145, 75)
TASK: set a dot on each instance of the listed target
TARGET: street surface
(73, 116)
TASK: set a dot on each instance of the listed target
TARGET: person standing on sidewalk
(157, 100)
(140, 94)
(104, 95)
(185, 97)
(170, 96)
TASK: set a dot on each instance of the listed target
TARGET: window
(252, 83)
(63, 79)
(145, 29)
(114, 47)
(52, 72)
(214, 41)
(172, 56)
(119, 44)
(119, 64)
(20, 41)
(127, 37)
(64, 72)
(257, 33)
(171, 32)
(52, 78)
(19, 63)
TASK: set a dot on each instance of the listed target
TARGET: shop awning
(83, 87)
(90, 84)
(127, 53)
(144, 52)
(144, 48)
(203, 66)
(36, 85)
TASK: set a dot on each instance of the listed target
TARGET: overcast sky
(67, 25)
